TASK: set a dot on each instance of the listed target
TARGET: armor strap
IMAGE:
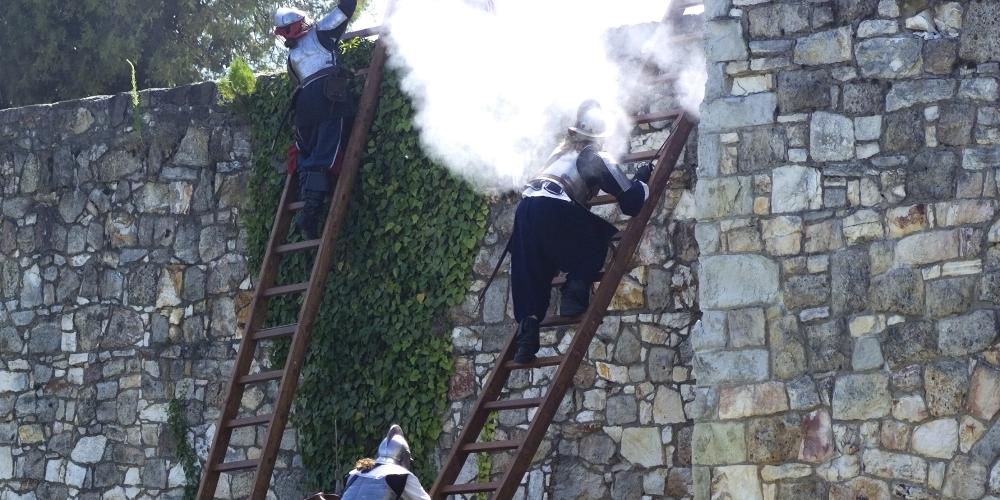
(332, 70)
(350, 481)
(397, 483)
(562, 182)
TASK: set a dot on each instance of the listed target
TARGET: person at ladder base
(555, 231)
(319, 102)
(388, 476)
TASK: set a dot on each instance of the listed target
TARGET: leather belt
(549, 186)
(317, 75)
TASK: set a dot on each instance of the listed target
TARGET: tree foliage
(55, 49)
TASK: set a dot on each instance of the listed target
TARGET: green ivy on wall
(380, 352)
(177, 428)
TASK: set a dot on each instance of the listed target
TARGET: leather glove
(643, 173)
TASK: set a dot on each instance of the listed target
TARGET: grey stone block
(900, 290)
(890, 57)
(829, 347)
(954, 127)
(804, 90)
(731, 366)
(981, 32)
(778, 20)
(946, 297)
(825, 47)
(757, 283)
(912, 342)
(724, 40)
(803, 292)
(931, 176)
(971, 333)
(861, 397)
(738, 112)
(762, 148)
(946, 384)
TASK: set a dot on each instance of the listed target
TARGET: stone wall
(623, 430)
(850, 266)
(123, 279)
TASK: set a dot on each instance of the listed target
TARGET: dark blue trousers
(318, 129)
(550, 236)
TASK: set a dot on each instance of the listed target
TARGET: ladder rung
(295, 247)
(278, 331)
(296, 205)
(537, 363)
(456, 489)
(491, 446)
(560, 321)
(640, 156)
(247, 421)
(661, 116)
(286, 289)
(261, 377)
(513, 404)
(240, 465)
(618, 236)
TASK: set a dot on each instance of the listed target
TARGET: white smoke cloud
(495, 88)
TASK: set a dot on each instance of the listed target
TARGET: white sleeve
(413, 490)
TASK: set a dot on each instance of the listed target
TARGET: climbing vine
(380, 352)
(177, 427)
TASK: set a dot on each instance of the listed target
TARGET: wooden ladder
(266, 289)
(586, 327)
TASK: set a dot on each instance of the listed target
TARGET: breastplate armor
(369, 488)
(564, 171)
(309, 56)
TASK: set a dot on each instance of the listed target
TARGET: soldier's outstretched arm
(334, 24)
(630, 193)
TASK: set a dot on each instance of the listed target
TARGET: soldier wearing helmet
(388, 476)
(319, 103)
(555, 231)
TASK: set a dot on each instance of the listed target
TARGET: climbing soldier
(320, 101)
(388, 476)
(554, 230)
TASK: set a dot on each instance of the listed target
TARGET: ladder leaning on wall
(586, 327)
(266, 289)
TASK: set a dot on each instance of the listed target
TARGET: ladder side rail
(339, 203)
(597, 310)
(244, 357)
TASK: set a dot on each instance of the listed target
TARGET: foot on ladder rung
(561, 280)
(537, 363)
(560, 321)
(236, 423)
(261, 377)
(235, 466)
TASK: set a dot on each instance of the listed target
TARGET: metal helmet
(394, 449)
(591, 121)
(285, 16)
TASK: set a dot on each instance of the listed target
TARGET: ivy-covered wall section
(380, 351)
